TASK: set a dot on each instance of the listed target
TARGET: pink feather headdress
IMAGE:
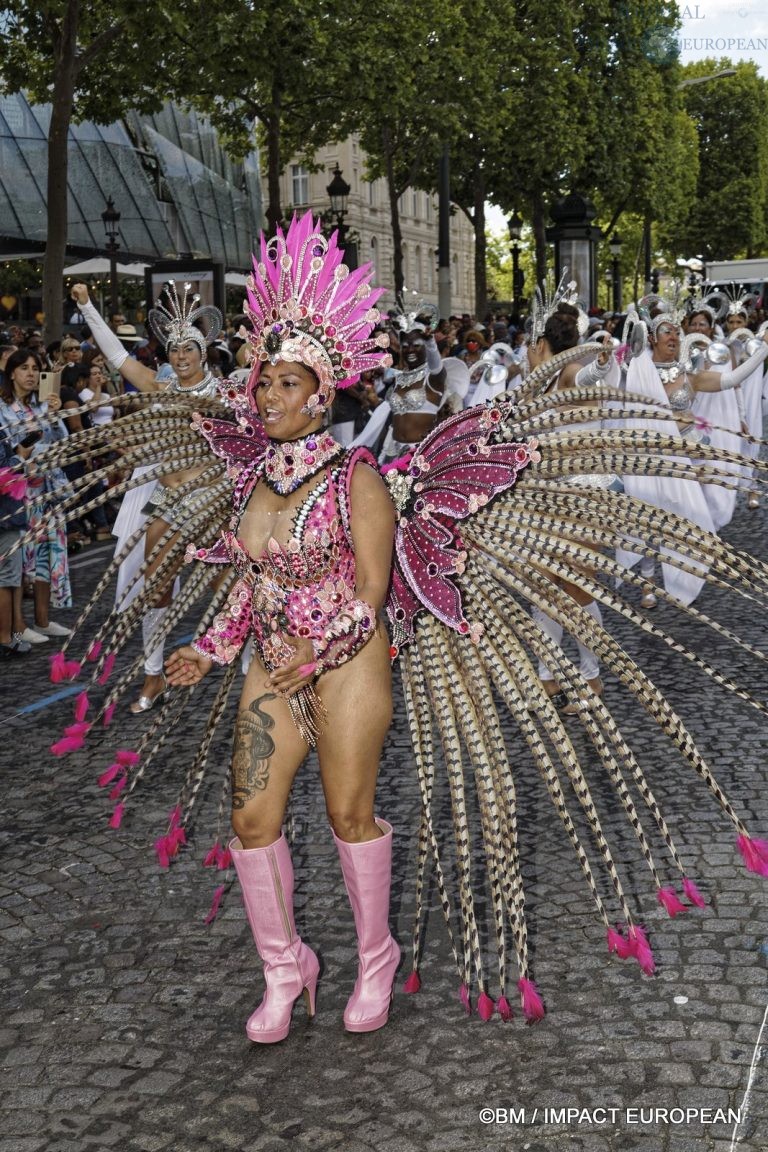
(307, 307)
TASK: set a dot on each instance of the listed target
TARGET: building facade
(368, 216)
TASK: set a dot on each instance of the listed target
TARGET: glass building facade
(177, 192)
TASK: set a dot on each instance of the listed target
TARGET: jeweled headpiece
(737, 303)
(545, 305)
(307, 307)
(415, 316)
(176, 320)
(671, 308)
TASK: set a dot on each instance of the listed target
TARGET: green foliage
(727, 216)
(121, 57)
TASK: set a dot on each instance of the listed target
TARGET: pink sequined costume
(302, 589)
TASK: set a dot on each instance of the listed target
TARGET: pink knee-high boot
(290, 967)
(367, 870)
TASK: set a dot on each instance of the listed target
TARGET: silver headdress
(544, 306)
(175, 321)
(712, 303)
(670, 308)
(416, 316)
(737, 303)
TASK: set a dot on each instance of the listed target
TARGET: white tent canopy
(100, 267)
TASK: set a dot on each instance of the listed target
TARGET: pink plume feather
(82, 704)
(67, 744)
(94, 651)
(106, 671)
(755, 853)
(504, 1009)
(118, 788)
(215, 904)
(109, 712)
(533, 1005)
(58, 664)
(693, 893)
(485, 1006)
(109, 775)
(641, 950)
(116, 818)
(211, 859)
(669, 899)
(618, 944)
(413, 983)
(127, 757)
(464, 997)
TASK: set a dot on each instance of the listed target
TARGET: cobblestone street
(124, 1012)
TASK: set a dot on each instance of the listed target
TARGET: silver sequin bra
(205, 387)
(682, 398)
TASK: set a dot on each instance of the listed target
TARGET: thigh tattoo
(252, 751)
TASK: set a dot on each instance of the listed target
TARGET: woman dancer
(669, 382)
(311, 541)
(175, 323)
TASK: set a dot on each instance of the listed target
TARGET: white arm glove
(740, 405)
(104, 336)
(592, 373)
(434, 359)
(740, 374)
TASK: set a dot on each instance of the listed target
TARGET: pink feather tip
(109, 712)
(464, 997)
(118, 788)
(58, 665)
(669, 899)
(106, 671)
(162, 853)
(79, 728)
(485, 1006)
(72, 669)
(67, 744)
(755, 853)
(108, 776)
(693, 894)
(82, 704)
(413, 983)
(618, 944)
(533, 1005)
(127, 757)
(504, 1009)
(212, 857)
(116, 818)
(641, 950)
(215, 904)
(225, 859)
(94, 651)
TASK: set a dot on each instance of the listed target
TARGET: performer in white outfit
(668, 380)
(176, 324)
(739, 340)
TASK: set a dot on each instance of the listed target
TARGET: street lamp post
(111, 218)
(338, 192)
(615, 246)
(515, 227)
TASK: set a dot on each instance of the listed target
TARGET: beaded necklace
(290, 463)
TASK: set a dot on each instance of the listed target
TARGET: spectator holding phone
(30, 424)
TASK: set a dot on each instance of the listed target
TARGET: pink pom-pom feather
(485, 1006)
(504, 1009)
(109, 712)
(109, 775)
(669, 899)
(94, 651)
(72, 669)
(118, 788)
(641, 950)
(413, 983)
(755, 853)
(58, 664)
(116, 818)
(464, 997)
(127, 757)
(67, 744)
(693, 893)
(82, 704)
(106, 671)
(225, 859)
(212, 857)
(617, 944)
(215, 904)
(162, 853)
(79, 728)
(533, 1005)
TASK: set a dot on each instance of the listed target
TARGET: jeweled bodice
(682, 397)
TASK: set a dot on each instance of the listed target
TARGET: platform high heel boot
(290, 967)
(367, 870)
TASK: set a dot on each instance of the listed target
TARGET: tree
(727, 212)
(90, 61)
(289, 68)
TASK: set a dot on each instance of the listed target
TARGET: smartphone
(50, 384)
(28, 441)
